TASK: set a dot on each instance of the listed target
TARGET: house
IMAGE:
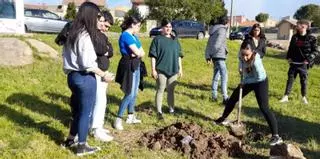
(247, 23)
(238, 19)
(100, 3)
(141, 6)
(119, 13)
(270, 23)
(286, 28)
(12, 16)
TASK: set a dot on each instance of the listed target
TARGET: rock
(43, 48)
(15, 52)
(286, 151)
(156, 146)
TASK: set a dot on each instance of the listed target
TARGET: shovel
(237, 128)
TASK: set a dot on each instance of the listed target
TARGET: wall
(16, 25)
(285, 31)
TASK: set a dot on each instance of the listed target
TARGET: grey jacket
(217, 43)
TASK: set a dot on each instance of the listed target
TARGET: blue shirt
(126, 39)
(257, 74)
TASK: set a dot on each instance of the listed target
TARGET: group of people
(86, 54)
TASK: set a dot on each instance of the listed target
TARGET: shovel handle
(239, 105)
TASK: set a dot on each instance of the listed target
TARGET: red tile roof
(100, 3)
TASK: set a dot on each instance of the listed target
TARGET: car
(38, 20)
(183, 28)
(240, 34)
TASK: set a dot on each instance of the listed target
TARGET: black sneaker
(160, 116)
(85, 149)
(69, 143)
(221, 121)
(225, 101)
(275, 140)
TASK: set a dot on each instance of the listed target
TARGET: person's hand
(108, 77)
(209, 61)
(240, 71)
(180, 73)
(154, 74)
(305, 62)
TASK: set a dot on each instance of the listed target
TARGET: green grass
(34, 111)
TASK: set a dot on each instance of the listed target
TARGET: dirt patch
(193, 141)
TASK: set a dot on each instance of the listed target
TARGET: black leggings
(261, 91)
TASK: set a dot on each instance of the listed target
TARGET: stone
(43, 48)
(286, 151)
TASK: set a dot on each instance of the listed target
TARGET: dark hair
(165, 22)
(257, 25)
(86, 19)
(128, 21)
(222, 20)
(306, 22)
(107, 16)
(247, 46)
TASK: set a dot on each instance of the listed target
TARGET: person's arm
(153, 54)
(314, 50)
(180, 67)
(153, 67)
(291, 49)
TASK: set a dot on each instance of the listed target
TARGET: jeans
(83, 87)
(261, 91)
(162, 82)
(129, 100)
(220, 70)
(294, 70)
(99, 108)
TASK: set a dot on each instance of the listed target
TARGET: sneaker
(69, 143)
(160, 116)
(304, 100)
(284, 99)
(214, 99)
(101, 135)
(224, 102)
(85, 149)
(221, 121)
(171, 110)
(118, 124)
(275, 140)
(132, 119)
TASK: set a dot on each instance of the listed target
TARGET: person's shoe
(171, 110)
(225, 101)
(214, 99)
(118, 124)
(304, 100)
(221, 121)
(275, 140)
(132, 119)
(85, 149)
(284, 99)
(69, 143)
(101, 135)
(160, 116)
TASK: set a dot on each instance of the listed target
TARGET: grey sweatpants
(162, 83)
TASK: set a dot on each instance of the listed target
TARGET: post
(20, 17)
(231, 18)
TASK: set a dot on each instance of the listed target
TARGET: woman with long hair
(79, 63)
(254, 79)
(257, 39)
(128, 72)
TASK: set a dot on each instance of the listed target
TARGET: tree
(71, 11)
(310, 12)
(200, 10)
(134, 12)
(262, 17)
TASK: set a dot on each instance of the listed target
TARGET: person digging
(254, 79)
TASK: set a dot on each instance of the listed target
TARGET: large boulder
(43, 49)
(286, 151)
(15, 52)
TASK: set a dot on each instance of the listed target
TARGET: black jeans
(294, 70)
(261, 91)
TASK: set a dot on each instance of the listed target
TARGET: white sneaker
(171, 110)
(105, 130)
(132, 119)
(118, 124)
(304, 100)
(284, 99)
(100, 134)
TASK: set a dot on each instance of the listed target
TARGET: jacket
(217, 46)
(303, 48)
(261, 48)
(104, 51)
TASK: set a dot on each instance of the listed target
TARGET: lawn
(34, 110)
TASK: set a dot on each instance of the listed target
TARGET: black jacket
(303, 48)
(261, 48)
(127, 65)
(104, 51)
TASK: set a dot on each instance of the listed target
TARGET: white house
(12, 16)
(141, 6)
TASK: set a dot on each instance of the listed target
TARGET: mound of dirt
(193, 141)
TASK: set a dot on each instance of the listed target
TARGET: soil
(194, 142)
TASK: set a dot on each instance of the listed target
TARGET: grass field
(34, 111)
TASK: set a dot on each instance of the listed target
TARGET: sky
(249, 8)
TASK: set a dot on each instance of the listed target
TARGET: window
(49, 15)
(7, 9)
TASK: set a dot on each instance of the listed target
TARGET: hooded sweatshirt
(217, 46)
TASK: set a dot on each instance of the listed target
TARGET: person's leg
(87, 99)
(99, 108)
(261, 93)
(224, 79)
(161, 85)
(134, 90)
(171, 84)
(303, 74)
(292, 74)
(215, 80)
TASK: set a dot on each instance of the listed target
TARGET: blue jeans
(83, 87)
(220, 70)
(129, 100)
